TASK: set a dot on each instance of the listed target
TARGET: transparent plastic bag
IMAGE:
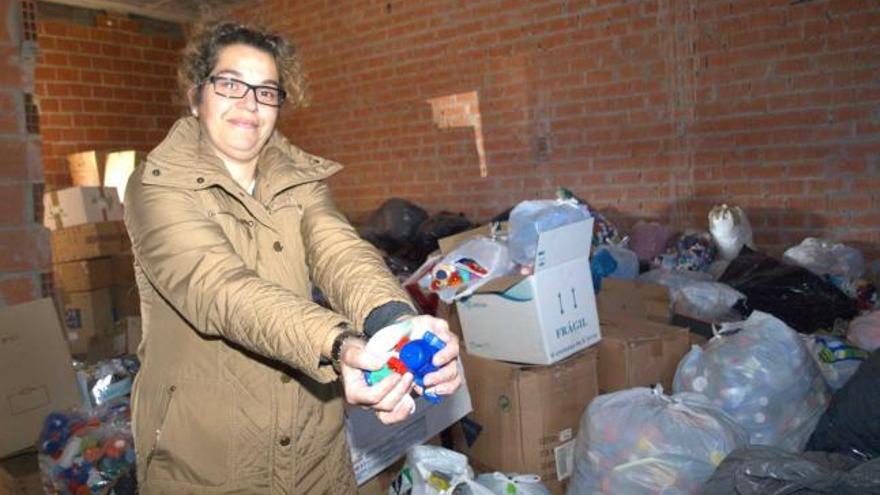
(106, 380)
(760, 372)
(822, 257)
(530, 218)
(710, 301)
(469, 266)
(640, 441)
(513, 484)
(837, 360)
(627, 261)
(431, 470)
(864, 331)
(87, 453)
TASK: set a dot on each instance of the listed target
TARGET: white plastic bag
(730, 229)
(837, 360)
(468, 267)
(640, 441)
(824, 257)
(530, 218)
(513, 484)
(431, 470)
(760, 372)
(864, 331)
(710, 301)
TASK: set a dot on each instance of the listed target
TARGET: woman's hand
(389, 398)
(447, 379)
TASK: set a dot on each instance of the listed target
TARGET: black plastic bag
(762, 470)
(851, 424)
(393, 224)
(795, 295)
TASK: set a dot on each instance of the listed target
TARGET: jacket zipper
(164, 416)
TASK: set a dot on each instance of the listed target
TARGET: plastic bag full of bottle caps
(641, 441)
(761, 373)
(83, 453)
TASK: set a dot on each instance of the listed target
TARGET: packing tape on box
(55, 210)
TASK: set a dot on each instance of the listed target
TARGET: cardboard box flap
(564, 244)
(635, 329)
(449, 243)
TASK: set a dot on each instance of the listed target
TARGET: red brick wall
(103, 86)
(24, 246)
(649, 109)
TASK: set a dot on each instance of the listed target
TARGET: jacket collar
(184, 160)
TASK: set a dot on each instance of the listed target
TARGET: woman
(231, 226)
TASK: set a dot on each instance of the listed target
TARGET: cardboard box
(91, 240)
(96, 273)
(375, 446)
(123, 268)
(20, 475)
(78, 205)
(526, 418)
(126, 301)
(88, 317)
(119, 166)
(131, 328)
(639, 353)
(36, 374)
(536, 319)
(98, 168)
(87, 168)
(634, 299)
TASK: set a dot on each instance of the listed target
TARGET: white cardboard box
(541, 318)
(36, 372)
(80, 205)
(375, 446)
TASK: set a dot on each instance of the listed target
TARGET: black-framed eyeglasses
(230, 87)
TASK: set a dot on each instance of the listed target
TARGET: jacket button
(200, 180)
(284, 441)
(156, 172)
(285, 378)
(277, 246)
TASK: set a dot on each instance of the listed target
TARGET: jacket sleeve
(347, 269)
(191, 263)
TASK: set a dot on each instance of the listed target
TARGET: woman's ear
(191, 97)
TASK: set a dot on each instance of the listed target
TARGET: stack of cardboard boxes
(91, 255)
(535, 357)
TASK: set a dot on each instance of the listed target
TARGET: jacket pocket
(193, 440)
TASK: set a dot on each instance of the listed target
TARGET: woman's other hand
(388, 397)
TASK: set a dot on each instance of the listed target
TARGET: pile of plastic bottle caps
(84, 453)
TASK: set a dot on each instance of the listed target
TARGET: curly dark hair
(204, 45)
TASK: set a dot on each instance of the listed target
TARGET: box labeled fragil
(526, 418)
(537, 319)
(80, 205)
(36, 372)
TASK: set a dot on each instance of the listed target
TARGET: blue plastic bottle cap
(414, 355)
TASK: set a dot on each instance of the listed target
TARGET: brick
(19, 288)
(25, 249)
(15, 209)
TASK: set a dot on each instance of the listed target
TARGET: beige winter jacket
(232, 396)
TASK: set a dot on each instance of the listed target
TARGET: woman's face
(238, 128)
